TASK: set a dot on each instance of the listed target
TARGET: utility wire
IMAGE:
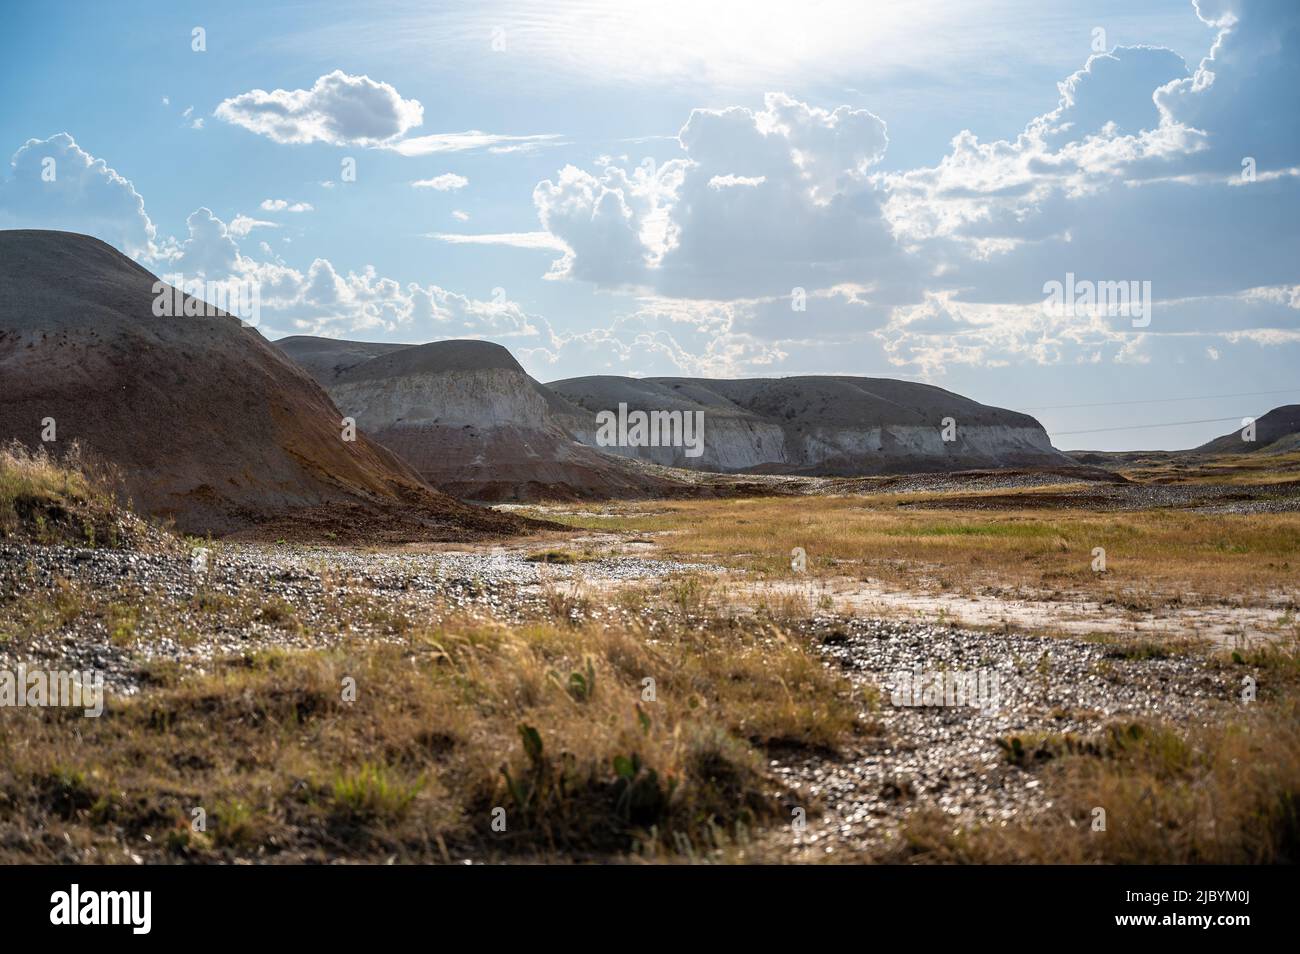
(1203, 397)
(1138, 427)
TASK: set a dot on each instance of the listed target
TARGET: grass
(1164, 557)
(1243, 469)
(41, 611)
(48, 499)
(1227, 792)
(1224, 791)
(639, 723)
(554, 724)
(553, 556)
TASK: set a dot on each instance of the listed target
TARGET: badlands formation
(205, 421)
(469, 419)
(472, 422)
(819, 426)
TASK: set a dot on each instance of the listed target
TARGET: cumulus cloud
(657, 337)
(55, 184)
(1139, 155)
(1139, 150)
(326, 302)
(1104, 128)
(210, 250)
(761, 199)
(1135, 174)
(323, 300)
(339, 109)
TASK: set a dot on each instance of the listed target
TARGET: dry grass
(555, 724)
(1153, 557)
(67, 500)
(1246, 469)
(646, 734)
(1224, 793)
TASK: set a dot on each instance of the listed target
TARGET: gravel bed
(947, 756)
(310, 581)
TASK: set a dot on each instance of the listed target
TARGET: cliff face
(471, 421)
(487, 398)
(834, 426)
(468, 418)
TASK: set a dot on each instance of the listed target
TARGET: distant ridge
(472, 422)
(820, 425)
(1277, 432)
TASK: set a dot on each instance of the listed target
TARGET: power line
(1203, 397)
(1138, 427)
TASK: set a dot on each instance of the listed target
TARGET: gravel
(312, 581)
(947, 756)
(944, 756)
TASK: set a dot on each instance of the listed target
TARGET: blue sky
(723, 189)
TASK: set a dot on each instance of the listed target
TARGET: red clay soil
(208, 424)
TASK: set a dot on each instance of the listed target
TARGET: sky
(1087, 211)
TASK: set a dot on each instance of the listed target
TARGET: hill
(206, 422)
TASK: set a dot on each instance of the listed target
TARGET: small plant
(640, 798)
(369, 794)
(580, 685)
(122, 620)
(522, 792)
(551, 556)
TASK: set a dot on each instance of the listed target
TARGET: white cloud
(284, 205)
(1140, 155)
(210, 250)
(241, 225)
(460, 215)
(731, 182)
(55, 184)
(447, 182)
(1104, 128)
(346, 110)
(323, 300)
(339, 109)
(542, 240)
(763, 200)
(464, 141)
(658, 337)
